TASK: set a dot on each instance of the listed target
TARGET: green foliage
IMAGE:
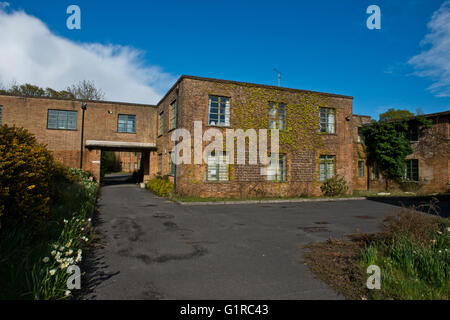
(387, 145)
(108, 160)
(410, 186)
(413, 255)
(393, 114)
(162, 186)
(27, 176)
(334, 187)
(34, 266)
(84, 90)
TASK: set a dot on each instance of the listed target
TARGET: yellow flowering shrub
(27, 170)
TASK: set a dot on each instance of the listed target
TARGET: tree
(86, 90)
(393, 114)
(387, 145)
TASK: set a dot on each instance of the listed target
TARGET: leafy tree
(393, 114)
(387, 144)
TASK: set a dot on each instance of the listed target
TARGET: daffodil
(45, 260)
(52, 272)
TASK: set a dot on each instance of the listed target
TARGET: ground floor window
(159, 163)
(275, 173)
(412, 170)
(327, 167)
(171, 165)
(374, 174)
(217, 167)
(361, 168)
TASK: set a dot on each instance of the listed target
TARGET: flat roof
(81, 100)
(250, 84)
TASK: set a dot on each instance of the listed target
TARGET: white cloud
(434, 62)
(31, 53)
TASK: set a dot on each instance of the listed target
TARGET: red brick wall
(245, 180)
(100, 124)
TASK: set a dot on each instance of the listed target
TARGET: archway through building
(119, 162)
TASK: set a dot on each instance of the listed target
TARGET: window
(361, 169)
(360, 135)
(127, 123)
(219, 111)
(327, 120)
(173, 115)
(375, 174)
(171, 165)
(274, 173)
(327, 166)
(413, 133)
(135, 166)
(159, 163)
(217, 168)
(412, 170)
(62, 119)
(161, 124)
(1, 110)
(277, 116)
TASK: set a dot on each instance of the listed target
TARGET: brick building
(427, 168)
(219, 104)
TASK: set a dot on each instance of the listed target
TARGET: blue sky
(317, 45)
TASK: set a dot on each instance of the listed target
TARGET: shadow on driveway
(439, 204)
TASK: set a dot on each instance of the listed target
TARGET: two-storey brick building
(318, 135)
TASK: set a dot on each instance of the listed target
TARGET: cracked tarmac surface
(157, 249)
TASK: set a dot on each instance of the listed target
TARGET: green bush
(334, 187)
(410, 186)
(28, 178)
(161, 186)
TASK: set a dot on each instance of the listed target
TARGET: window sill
(328, 134)
(218, 182)
(218, 126)
(126, 132)
(62, 129)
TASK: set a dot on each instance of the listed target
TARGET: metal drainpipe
(83, 107)
(178, 108)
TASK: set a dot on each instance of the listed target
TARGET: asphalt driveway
(156, 249)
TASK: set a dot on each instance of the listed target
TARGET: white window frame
(217, 168)
(219, 115)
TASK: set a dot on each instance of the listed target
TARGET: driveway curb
(207, 203)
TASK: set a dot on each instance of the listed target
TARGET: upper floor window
(62, 119)
(412, 170)
(217, 169)
(360, 135)
(327, 120)
(1, 110)
(277, 116)
(413, 133)
(275, 173)
(219, 111)
(161, 124)
(127, 123)
(173, 115)
(327, 167)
